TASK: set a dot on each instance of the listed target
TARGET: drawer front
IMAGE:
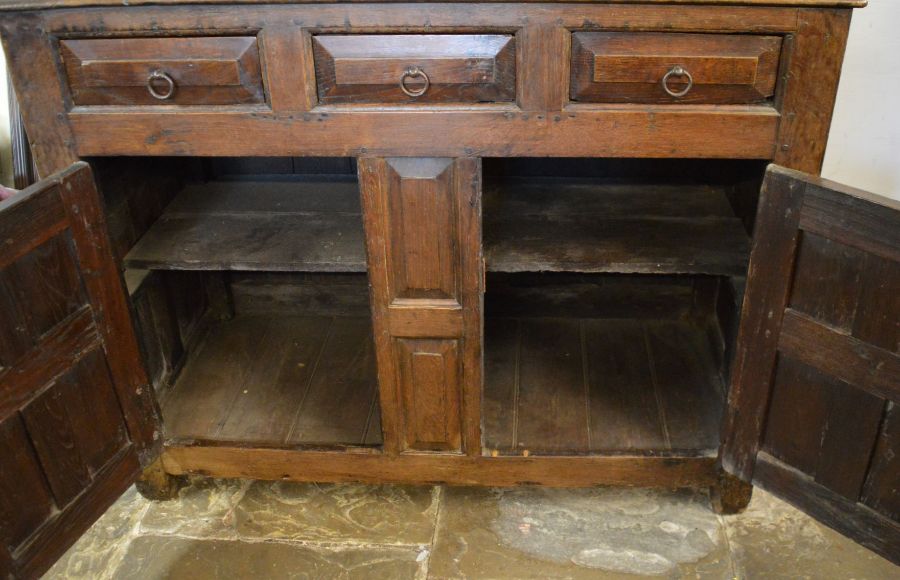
(403, 68)
(159, 71)
(611, 67)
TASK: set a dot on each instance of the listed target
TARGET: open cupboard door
(77, 417)
(814, 407)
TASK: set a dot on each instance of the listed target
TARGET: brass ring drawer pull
(170, 85)
(414, 72)
(678, 71)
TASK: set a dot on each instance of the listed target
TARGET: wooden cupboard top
(45, 4)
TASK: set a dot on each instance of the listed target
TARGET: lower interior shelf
(560, 386)
(278, 380)
(553, 386)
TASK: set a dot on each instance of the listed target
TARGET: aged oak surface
(613, 67)
(363, 328)
(77, 416)
(818, 372)
(458, 68)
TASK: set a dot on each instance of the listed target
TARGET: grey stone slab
(96, 554)
(170, 557)
(204, 508)
(774, 540)
(582, 533)
(375, 514)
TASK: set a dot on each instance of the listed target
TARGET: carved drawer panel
(614, 67)
(402, 68)
(159, 71)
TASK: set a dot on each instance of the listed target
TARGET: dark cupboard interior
(612, 295)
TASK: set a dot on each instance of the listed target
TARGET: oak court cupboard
(465, 243)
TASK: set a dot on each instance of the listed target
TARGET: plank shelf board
(555, 225)
(570, 386)
(278, 381)
(544, 225)
(304, 226)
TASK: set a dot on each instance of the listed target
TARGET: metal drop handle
(414, 72)
(160, 76)
(678, 71)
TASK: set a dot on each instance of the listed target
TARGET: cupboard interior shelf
(534, 225)
(558, 386)
(278, 380)
(553, 386)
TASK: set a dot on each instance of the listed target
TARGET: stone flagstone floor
(261, 530)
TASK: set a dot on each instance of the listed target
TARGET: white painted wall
(5, 153)
(864, 147)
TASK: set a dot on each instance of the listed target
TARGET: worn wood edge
(765, 299)
(155, 484)
(424, 468)
(613, 131)
(440, 17)
(859, 522)
(57, 535)
(865, 366)
(840, 188)
(46, 4)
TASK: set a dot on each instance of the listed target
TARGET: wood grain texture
(558, 386)
(52, 541)
(35, 4)
(106, 291)
(289, 69)
(26, 500)
(548, 225)
(746, 132)
(880, 488)
(460, 68)
(398, 17)
(614, 67)
(432, 469)
(811, 81)
(276, 380)
(592, 226)
(313, 226)
(849, 359)
(825, 410)
(205, 71)
(49, 280)
(873, 531)
(76, 422)
(430, 393)
(422, 218)
(768, 287)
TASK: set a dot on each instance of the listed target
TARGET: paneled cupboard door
(77, 417)
(814, 407)
(423, 235)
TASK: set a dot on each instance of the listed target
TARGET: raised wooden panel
(424, 244)
(839, 426)
(881, 491)
(819, 429)
(25, 499)
(47, 280)
(430, 394)
(826, 284)
(433, 68)
(423, 234)
(624, 67)
(203, 71)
